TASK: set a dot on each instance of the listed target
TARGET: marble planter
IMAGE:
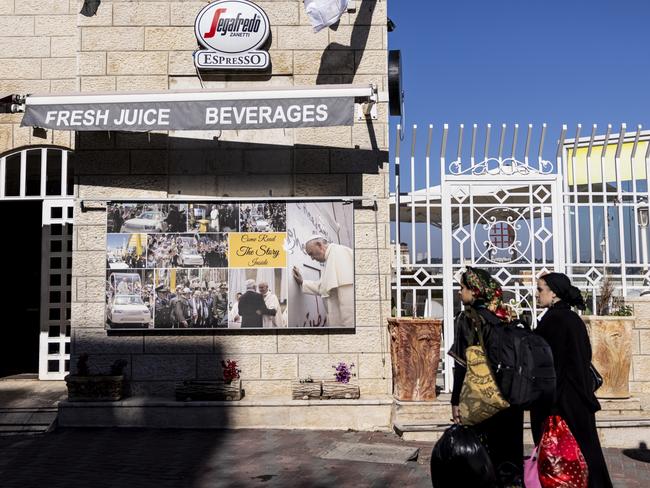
(415, 354)
(611, 346)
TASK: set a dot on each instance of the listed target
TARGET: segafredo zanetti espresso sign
(231, 31)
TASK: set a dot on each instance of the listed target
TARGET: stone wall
(148, 46)
(640, 370)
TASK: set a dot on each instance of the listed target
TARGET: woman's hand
(455, 414)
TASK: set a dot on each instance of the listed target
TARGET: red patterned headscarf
(487, 290)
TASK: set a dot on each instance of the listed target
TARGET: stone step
(19, 421)
(617, 432)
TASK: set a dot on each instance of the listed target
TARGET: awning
(259, 108)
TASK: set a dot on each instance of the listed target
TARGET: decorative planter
(208, 390)
(99, 388)
(324, 390)
(611, 346)
(415, 354)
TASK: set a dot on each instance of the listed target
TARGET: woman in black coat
(503, 433)
(574, 401)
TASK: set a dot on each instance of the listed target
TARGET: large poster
(230, 265)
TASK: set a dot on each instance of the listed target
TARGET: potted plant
(84, 386)
(610, 332)
(228, 388)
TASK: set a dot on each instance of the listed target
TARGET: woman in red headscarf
(503, 433)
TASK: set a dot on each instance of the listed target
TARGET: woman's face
(466, 295)
(545, 296)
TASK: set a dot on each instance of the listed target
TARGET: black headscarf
(560, 284)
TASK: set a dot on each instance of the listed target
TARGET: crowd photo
(126, 251)
(213, 217)
(257, 298)
(187, 251)
(146, 217)
(191, 298)
(263, 217)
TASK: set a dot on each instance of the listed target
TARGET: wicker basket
(99, 388)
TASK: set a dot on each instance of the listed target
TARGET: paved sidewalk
(244, 458)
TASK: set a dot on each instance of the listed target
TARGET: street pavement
(110, 457)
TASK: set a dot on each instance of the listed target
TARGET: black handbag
(596, 378)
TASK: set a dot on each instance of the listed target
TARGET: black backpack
(522, 362)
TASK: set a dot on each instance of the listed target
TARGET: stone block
(101, 363)
(87, 289)
(102, 162)
(94, 141)
(169, 39)
(21, 135)
(173, 367)
(6, 137)
(149, 162)
(371, 62)
(16, 25)
(281, 62)
(151, 389)
(372, 136)
(375, 387)
(16, 47)
(23, 69)
(210, 368)
(89, 218)
(364, 215)
(36, 7)
(370, 236)
(282, 13)
(369, 12)
(56, 25)
(193, 185)
(301, 38)
(184, 13)
(368, 287)
(187, 162)
(122, 187)
(279, 366)
(178, 344)
(89, 263)
(90, 84)
(374, 365)
(249, 186)
(364, 339)
(138, 140)
(59, 67)
(97, 341)
(368, 261)
(268, 161)
(103, 17)
(267, 389)
(91, 63)
(64, 47)
(320, 185)
(141, 63)
(6, 6)
(324, 137)
(113, 38)
(181, 63)
(142, 83)
(312, 160)
(246, 344)
(303, 343)
(641, 368)
(141, 13)
(69, 85)
(84, 314)
(61, 137)
(331, 62)
(365, 37)
(319, 366)
(91, 238)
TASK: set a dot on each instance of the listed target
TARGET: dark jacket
(251, 308)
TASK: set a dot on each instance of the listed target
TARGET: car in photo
(128, 309)
(189, 255)
(149, 221)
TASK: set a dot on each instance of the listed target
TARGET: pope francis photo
(336, 283)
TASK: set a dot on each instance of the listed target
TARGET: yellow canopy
(625, 164)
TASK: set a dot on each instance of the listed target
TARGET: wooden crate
(323, 390)
(208, 390)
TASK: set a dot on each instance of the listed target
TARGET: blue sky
(507, 61)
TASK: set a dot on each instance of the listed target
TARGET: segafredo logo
(231, 31)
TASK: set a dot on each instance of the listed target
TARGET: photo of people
(263, 217)
(129, 299)
(248, 265)
(257, 298)
(126, 251)
(213, 217)
(146, 217)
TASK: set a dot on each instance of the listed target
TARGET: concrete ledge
(362, 414)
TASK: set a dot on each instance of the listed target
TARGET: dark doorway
(20, 286)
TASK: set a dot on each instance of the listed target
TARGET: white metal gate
(583, 210)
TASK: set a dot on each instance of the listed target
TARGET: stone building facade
(47, 47)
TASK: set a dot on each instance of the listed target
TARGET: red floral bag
(560, 462)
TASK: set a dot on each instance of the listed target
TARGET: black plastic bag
(460, 460)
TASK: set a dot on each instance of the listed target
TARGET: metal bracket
(368, 109)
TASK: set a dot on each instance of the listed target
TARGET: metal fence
(517, 205)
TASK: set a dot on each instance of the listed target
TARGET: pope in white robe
(336, 283)
(271, 301)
